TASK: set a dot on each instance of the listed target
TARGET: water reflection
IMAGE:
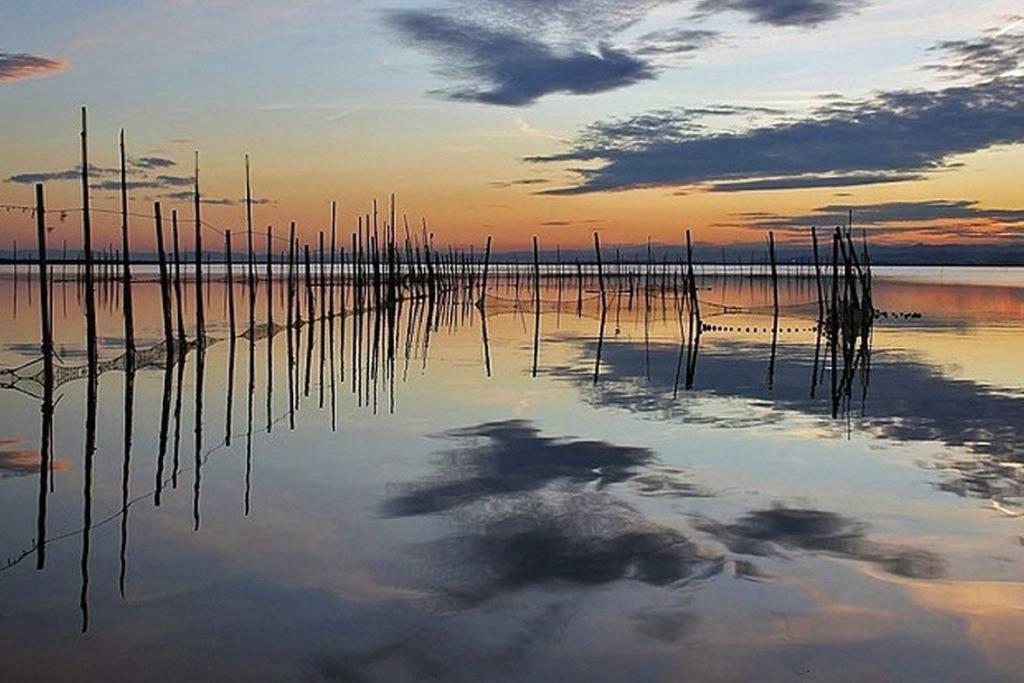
(531, 509)
(913, 402)
(531, 533)
(770, 532)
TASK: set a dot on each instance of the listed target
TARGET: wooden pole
(817, 276)
(92, 349)
(165, 289)
(230, 284)
(600, 269)
(129, 315)
(45, 320)
(487, 267)
(200, 314)
(178, 297)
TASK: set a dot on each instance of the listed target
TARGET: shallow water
(470, 506)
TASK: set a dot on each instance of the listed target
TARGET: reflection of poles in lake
(177, 418)
(126, 269)
(165, 410)
(46, 327)
(600, 343)
(689, 345)
(197, 474)
(126, 465)
(536, 306)
(250, 394)
(92, 381)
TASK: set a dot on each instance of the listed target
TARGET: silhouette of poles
(165, 290)
(200, 314)
(536, 305)
(126, 272)
(600, 268)
(230, 284)
(45, 319)
(92, 349)
(178, 296)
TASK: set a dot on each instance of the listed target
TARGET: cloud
(802, 182)
(510, 68)
(902, 215)
(188, 196)
(152, 162)
(996, 53)
(675, 41)
(890, 135)
(802, 13)
(108, 179)
(520, 182)
(51, 176)
(16, 66)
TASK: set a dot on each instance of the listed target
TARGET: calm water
(455, 510)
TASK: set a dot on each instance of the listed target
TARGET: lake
(507, 493)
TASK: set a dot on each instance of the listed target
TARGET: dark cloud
(568, 20)
(510, 68)
(109, 179)
(174, 181)
(893, 134)
(804, 13)
(911, 215)
(667, 626)
(520, 182)
(803, 182)
(45, 177)
(996, 53)
(189, 195)
(152, 162)
(15, 66)
(115, 185)
(51, 176)
(769, 532)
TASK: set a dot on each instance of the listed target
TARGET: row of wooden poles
(380, 269)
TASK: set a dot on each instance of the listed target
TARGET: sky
(513, 118)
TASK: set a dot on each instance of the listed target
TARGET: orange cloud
(16, 66)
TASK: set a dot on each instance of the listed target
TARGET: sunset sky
(526, 117)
